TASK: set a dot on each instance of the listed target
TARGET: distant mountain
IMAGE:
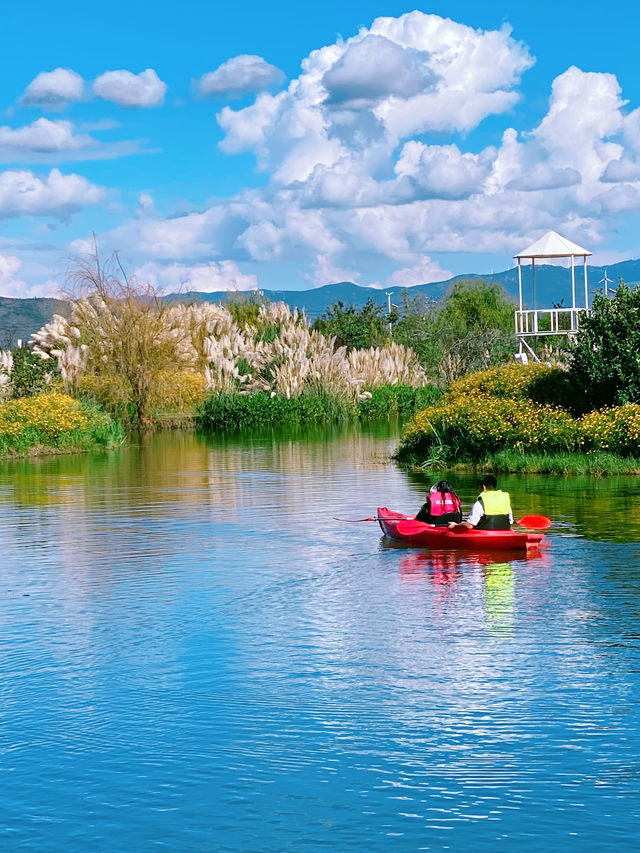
(19, 318)
(553, 285)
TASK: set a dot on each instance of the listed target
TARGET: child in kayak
(492, 510)
(442, 506)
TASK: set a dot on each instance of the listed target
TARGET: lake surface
(196, 656)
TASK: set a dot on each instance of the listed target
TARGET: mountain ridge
(20, 318)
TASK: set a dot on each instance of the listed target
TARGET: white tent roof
(552, 245)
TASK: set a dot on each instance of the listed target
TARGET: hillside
(19, 318)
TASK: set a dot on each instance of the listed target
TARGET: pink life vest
(440, 503)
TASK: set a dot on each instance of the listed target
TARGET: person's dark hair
(489, 481)
(444, 487)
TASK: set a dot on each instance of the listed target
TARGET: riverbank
(55, 423)
(521, 419)
(596, 464)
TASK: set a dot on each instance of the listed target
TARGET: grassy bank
(596, 464)
(234, 411)
(54, 423)
(511, 419)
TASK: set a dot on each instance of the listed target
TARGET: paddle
(371, 518)
(535, 522)
(532, 522)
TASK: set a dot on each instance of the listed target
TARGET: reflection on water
(197, 656)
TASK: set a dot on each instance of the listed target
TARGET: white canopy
(552, 245)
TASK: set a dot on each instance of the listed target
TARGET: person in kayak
(442, 506)
(492, 510)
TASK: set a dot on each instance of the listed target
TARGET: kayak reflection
(499, 597)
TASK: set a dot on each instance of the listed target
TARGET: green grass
(596, 464)
(235, 411)
(397, 401)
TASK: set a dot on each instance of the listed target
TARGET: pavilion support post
(520, 282)
(535, 301)
(586, 288)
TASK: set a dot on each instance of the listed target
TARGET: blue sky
(231, 146)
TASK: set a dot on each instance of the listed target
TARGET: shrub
(353, 328)
(475, 426)
(604, 358)
(54, 420)
(612, 429)
(30, 373)
(535, 382)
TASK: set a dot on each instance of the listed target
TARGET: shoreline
(596, 464)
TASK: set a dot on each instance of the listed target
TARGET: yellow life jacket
(497, 506)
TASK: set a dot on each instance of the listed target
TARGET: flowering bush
(478, 425)
(614, 429)
(53, 420)
(536, 382)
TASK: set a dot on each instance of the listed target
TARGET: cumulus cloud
(24, 194)
(239, 75)
(54, 89)
(423, 272)
(43, 136)
(443, 171)
(10, 284)
(401, 77)
(375, 68)
(354, 191)
(623, 169)
(130, 90)
(211, 277)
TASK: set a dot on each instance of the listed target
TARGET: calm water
(196, 656)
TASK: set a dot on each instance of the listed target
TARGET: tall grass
(224, 410)
(397, 401)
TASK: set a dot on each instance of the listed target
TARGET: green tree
(355, 329)
(30, 374)
(245, 307)
(470, 329)
(605, 357)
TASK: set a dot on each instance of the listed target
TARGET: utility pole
(389, 294)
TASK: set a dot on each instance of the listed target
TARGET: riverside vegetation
(145, 361)
(126, 356)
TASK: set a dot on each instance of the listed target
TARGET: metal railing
(549, 321)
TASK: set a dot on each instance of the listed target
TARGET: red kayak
(404, 528)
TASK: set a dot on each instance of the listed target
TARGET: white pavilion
(561, 321)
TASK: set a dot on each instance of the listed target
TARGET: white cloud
(349, 197)
(585, 109)
(623, 169)
(423, 272)
(24, 194)
(131, 90)
(403, 76)
(443, 171)
(239, 75)
(10, 284)
(43, 136)
(203, 278)
(54, 89)
(374, 68)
